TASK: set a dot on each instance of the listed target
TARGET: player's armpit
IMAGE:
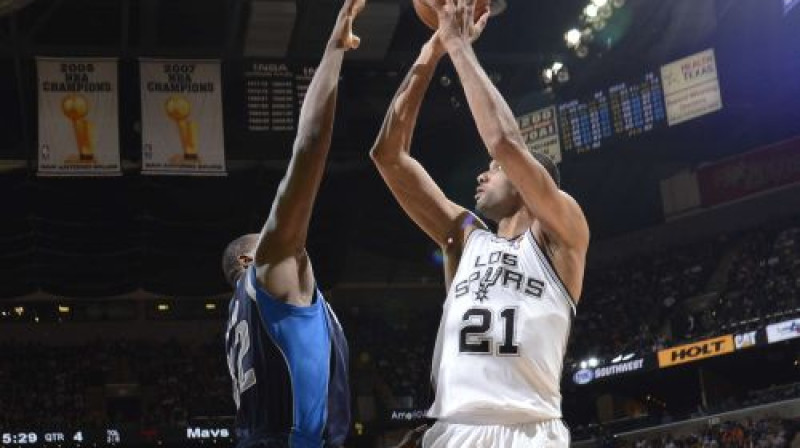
(424, 202)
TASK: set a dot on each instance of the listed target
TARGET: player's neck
(514, 225)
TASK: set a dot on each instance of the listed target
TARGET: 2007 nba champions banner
(78, 119)
(182, 130)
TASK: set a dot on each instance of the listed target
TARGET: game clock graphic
(77, 437)
(20, 438)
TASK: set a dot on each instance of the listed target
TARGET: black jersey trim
(550, 269)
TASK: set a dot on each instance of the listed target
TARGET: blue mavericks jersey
(289, 369)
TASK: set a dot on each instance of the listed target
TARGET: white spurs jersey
(503, 335)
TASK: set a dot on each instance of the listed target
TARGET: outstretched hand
(457, 20)
(343, 36)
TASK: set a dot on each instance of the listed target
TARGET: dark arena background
(677, 124)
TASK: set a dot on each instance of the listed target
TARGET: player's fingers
(355, 42)
(480, 25)
(355, 7)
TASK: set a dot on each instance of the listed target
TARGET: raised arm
(411, 185)
(284, 234)
(445, 222)
(559, 214)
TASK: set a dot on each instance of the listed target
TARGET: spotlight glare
(547, 75)
(591, 11)
(557, 66)
(599, 3)
(573, 38)
(563, 76)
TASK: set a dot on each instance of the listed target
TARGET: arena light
(211, 306)
(162, 307)
(563, 75)
(593, 362)
(19, 310)
(573, 38)
(63, 309)
(599, 3)
(547, 75)
(591, 10)
(556, 72)
(584, 364)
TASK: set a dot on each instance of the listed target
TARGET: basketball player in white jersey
(511, 295)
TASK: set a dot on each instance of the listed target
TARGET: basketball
(428, 15)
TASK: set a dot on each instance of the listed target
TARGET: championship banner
(78, 119)
(540, 132)
(182, 131)
(691, 87)
(783, 331)
(695, 351)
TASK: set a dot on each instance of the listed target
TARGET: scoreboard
(637, 108)
(622, 110)
(273, 95)
(585, 124)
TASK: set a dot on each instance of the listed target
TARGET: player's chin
(480, 205)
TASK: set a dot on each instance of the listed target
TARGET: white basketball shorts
(545, 434)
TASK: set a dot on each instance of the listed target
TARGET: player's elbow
(381, 155)
(309, 138)
(502, 145)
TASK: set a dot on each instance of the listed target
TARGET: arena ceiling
(103, 237)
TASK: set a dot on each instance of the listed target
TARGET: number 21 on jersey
(477, 323)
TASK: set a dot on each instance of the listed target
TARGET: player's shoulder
(468, 226)
(569, 200)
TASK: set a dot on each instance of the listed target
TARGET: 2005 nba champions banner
(78, 120)
(182, 130)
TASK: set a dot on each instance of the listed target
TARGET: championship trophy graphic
(76, 108)
(178, 109)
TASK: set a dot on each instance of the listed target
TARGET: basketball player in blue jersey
(511, 294)
(287, 353)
